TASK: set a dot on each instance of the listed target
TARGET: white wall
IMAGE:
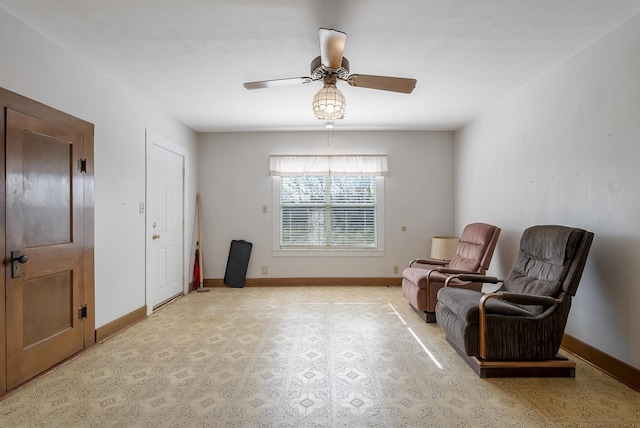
(35, 67)
(235, 184)
(565, 150)
(121, 121)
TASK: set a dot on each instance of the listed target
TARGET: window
(328, 203)
(328, 211)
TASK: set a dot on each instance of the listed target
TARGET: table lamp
(444, 247)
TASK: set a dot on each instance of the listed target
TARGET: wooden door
(165, 214)
(44, 222)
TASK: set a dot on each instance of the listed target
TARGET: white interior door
(165, 222)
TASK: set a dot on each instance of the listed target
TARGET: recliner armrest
(477, 278)
(429, 262)
(528, 299)
(455, 271)
(472, 278)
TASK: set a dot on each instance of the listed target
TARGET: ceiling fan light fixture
(329, 103)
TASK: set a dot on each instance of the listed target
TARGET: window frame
(328, 251)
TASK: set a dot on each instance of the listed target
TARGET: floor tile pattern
(301, 357)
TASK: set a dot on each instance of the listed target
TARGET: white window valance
(353, 165)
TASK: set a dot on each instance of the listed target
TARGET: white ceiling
(192, 56)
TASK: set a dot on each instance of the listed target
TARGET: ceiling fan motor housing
(318, 70)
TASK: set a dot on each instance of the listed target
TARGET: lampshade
(444, 247)
(329, 103)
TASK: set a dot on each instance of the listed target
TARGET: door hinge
(183, 172)
(82, 312)
(82, 165)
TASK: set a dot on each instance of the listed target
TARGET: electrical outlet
(265, 270)
(395, 269)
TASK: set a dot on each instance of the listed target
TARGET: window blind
(328, 211)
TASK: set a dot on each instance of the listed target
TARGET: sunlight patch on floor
(422, 345)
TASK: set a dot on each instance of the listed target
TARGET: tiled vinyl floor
(301, 357)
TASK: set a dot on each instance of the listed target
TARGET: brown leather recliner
(517, 330)
(420, 286)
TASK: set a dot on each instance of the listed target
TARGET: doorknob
(155, 236)
(16, 260)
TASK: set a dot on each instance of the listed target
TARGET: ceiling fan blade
(331, 47)
(393, 84)
(276, 83)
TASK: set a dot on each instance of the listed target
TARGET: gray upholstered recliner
(517, 330)
(473, 255)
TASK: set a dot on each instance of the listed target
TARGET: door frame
(153, 139)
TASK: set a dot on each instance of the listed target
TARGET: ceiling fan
(331, 65)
